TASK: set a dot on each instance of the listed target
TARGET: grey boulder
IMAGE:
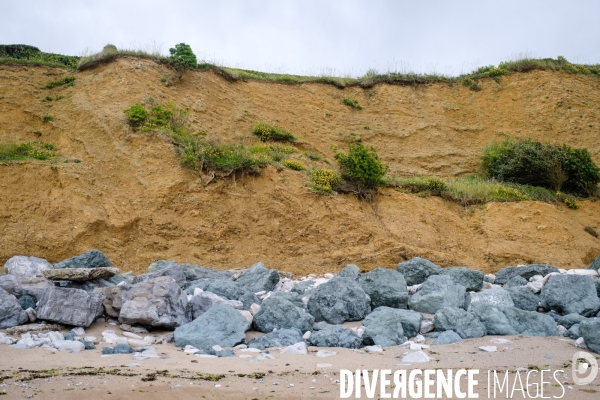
(175, 272)
(278, 313)
(437, 292)
(112, 300)
(523, 298)
(499, 320)
(258, 278)
(18, 286)
(349, 271)
(447, 337)
(465, 324)
(194, 272)
(573, 332)
(417, 270)
(495, 297)
(221, 325)
(383, 327)
(224, 288)
(526, 271)
(570, 294)
(590, 332)
(202, 302)
(515, 281)
(11, 312)
(279, 338)
(595, 265)
(335, 336)
(471, 279)
(569, 320)
(161, 264)
(386, 287)
(69, 306)
(339, 300)
(158, 302)
(80, 274)
(90, 259)
(26, 266)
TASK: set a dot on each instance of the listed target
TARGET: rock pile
(210, 309)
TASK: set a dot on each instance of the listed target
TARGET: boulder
(279, 338)
(573, 332)
(516, 281)
(383, 327)
(80, 274)
(120, 348)
(89, 259)
(20, 285)
(411, 322)
(258, 278)
(194, 272)
(417, 270)
(294, 297)
(304, 287)
(278, 313)
(465, 324)
(590, 332)
(447, 337)
(471, 279)
(175, 272)
(526, 272)
(569, 320)
(571, 294)
(386, 287)
(437, 292)
(126, 278)
(495, 297)
(499, 320)
(349, 271)
(203, 301)
(161, 264)
(26, 302)
(11, 312)
(112, 300)
(339, 300)
(158, 302)
(335, 336)
(24, 266)
(69, 306)
(523, 298)
(221, 325)
(224, 288)
(595, 265)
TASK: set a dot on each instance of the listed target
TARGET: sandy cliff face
(131, 198)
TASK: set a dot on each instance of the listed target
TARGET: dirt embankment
(130, 197)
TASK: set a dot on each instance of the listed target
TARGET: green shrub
(529, 162)
(324, 180)
(67, 80)
(182, 57)
(47, 118)
(136, 115)
(352, 103)
(294, 164)
(211, 156)
(361, 167)
(571, 204)
(27, 150)
(268, 132)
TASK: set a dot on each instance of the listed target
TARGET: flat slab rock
(21, 329)
(80, 274)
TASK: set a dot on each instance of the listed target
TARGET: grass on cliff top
(475, 189)
(370, 79)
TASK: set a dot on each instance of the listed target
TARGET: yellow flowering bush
(324, 180)
(294, 164)
(267, 132)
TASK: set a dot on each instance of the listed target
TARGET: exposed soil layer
(131, 198)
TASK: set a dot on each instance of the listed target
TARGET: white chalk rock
(581, 343)
(190, 349)
(132, 335)
(488, 349)
(69, 346)
(374, 349)
(325, 353)
(248, 316)
(586, 272)
(217, 348)
(254, 308)
(298, 348)
(419, 339)
(535, 286)
(328, 275)
(306, 335)
(416, 357)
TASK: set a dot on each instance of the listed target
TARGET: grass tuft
(27, 150)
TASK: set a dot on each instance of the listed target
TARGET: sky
(342, 38)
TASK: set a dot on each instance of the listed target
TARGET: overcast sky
(345, 37)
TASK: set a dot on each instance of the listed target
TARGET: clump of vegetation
(23, 54)
(27, 150)
(361, 169)
(572, 204)
(324, 181)
(182, 58)
(591, 231)
(136, 115)
(352, 103)
(528, 162)
(67, 80)
(432, 185)
(268, 132)
(47, 118)
(471, 84)
(294, 164)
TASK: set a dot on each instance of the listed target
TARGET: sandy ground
(179, 375)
